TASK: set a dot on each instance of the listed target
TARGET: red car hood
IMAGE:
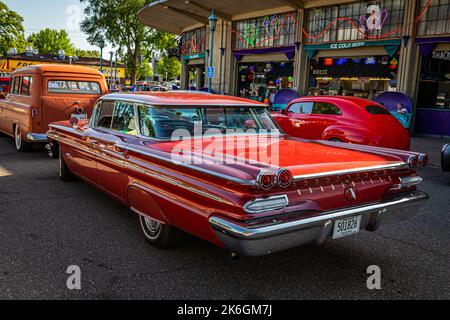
(299, 156)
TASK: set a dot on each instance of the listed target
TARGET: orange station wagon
(42, 94)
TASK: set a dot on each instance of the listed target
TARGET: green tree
(118, 23)
(87, 53)
(11, 30)
(169, 68)
(51, 41)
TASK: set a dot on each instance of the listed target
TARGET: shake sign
(441, 55)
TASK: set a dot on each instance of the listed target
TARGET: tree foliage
(87, 53)
(169, 68)
(117, 22)
(51, 41)
(11, 30)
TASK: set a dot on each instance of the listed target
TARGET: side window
(105, 115)
(146, 121)
(95, 113)
(16, 86)
(25, 88)
(326, 108)
(124, 118)
(302, 108)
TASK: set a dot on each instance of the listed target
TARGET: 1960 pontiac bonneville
(218, 168)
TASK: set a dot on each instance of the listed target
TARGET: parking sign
(210, 72)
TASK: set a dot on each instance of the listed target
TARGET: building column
(406, 74)
(184, 75)
(301, 64)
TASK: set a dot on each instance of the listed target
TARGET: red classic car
(343, 119)
(218, 167)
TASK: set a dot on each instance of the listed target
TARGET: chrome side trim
(37, 137)
(400, 165)
(138, 169)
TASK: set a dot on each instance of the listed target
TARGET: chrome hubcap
(153, 228)
(18, 138)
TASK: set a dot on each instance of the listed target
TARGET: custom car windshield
(163, 122)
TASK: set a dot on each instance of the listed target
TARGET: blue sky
(55, 14)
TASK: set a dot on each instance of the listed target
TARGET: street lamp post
(212, 27)
(101, 44)
(111, 55)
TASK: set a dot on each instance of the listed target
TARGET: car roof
(336, 99)
(182, 98)
(55, 68)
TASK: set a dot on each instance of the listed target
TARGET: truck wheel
(161, 236)
(21, 146)
(64, 172)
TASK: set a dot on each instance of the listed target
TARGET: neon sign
(260, 32)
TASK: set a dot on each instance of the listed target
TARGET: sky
(54, 14)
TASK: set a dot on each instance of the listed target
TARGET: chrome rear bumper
(259, 240)
(37, 137)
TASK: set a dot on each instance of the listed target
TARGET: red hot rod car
(245, 203)
(343, 119)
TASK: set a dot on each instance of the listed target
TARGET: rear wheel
(161, 236)
(20, 144)
(64, 172)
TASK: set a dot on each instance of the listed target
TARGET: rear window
(376, 110)
(74, 87)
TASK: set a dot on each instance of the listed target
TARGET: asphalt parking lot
(47, 225)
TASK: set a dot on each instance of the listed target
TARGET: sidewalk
(430, 146)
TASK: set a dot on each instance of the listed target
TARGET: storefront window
(269, 31)
(434, 86)
(354, 76)
(261, 81)
(434, 17)
(193, 42)
(357, 21)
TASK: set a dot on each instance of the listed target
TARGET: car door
(323, 116)
(112, 176)
(297, 121)
(83, 156)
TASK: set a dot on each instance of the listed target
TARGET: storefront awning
(288, 51)
(391, 46)
(427, 45)
(175, 15)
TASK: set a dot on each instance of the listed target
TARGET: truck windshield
(164, 122)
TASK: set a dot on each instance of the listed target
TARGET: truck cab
(42, 94)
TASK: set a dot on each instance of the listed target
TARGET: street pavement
(47, 225)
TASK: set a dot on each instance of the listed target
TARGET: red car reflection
(343, 119)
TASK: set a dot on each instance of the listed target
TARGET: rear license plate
(346, 227)
(80, 116)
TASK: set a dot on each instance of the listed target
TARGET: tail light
(424, 160)
(285, 178)
(266, 180)
(413, 162)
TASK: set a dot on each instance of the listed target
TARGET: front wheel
(21, 145)
(161, 236)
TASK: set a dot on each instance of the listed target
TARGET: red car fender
(349, 134)
(142, 202)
